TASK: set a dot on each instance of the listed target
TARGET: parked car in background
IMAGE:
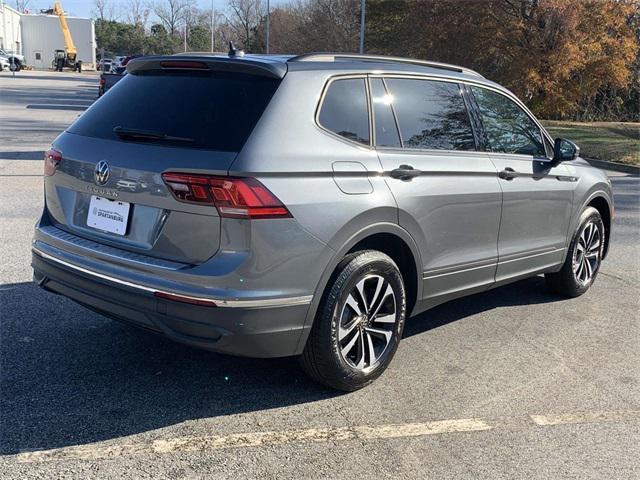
(306, 206)
(4, 64)
(104, 64)
(16, 61)
(127, 59)
(117, 61)
(109, 79)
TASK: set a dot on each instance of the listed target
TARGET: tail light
(234, 197)
(103, 82)
(52, 159)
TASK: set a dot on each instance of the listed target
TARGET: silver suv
(306, 206)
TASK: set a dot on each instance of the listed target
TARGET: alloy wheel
(367, 322)
(586, 256)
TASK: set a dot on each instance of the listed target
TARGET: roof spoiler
(203, 62)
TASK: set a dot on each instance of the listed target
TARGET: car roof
(345, 61)
(336, 63)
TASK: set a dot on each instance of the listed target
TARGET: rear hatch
(167, 115)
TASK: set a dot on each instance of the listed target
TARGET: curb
(614, 166)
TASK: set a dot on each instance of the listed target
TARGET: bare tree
(192, 16)
(223, 32)
(286, 32)
(105, 9)
(244, 18)
(330, 25)
(172, 13)
(137, 12)
(22, 5)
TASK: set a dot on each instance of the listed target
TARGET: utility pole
(362, 2)
(268, 25)
(213, 24)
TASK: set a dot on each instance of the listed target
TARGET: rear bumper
(256, 327)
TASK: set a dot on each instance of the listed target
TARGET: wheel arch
(389, 238)
(603, 203)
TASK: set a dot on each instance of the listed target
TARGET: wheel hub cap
(586, 255)
(367, 322)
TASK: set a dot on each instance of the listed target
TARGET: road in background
(511, 383)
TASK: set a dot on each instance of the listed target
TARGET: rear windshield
(214, 110)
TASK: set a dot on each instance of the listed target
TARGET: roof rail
(332, 57)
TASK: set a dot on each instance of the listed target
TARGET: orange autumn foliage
(561, 56)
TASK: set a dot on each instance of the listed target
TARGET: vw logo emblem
(101, 173)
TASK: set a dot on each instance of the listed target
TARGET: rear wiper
(148, 135)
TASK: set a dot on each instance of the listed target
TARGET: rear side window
(214, 110)
(344, 110)
(431, 115)
(508, 128)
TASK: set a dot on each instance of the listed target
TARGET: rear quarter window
(218, 110)
(344, 110)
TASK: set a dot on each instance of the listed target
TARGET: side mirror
(564, 150)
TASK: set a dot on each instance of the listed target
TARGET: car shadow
(61, 76)
(71, 377)
(525, 292)
(26, 155)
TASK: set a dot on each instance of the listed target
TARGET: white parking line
(585, 417)
(255, 439)
(194, 443)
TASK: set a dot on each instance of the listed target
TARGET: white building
(38, 36)
(10, 34)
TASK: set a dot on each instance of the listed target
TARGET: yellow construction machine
(67, 58)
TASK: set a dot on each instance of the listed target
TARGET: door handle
(405, 172)
(508, 174)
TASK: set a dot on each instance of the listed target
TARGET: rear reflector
(184, 299)
(234, 197)
(52, 159)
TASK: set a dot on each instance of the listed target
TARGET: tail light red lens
(103, 82)
(52, 159)
(234, 197)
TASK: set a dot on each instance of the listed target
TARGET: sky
(85, 8)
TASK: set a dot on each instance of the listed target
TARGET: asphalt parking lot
(512, 383)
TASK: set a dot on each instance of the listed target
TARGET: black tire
(568, 281)
(324, 358)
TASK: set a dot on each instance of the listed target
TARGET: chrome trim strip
(481, 82)
(511, 258)
(220, 302)
(547, 252)
(107, 250)
(489, 265)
